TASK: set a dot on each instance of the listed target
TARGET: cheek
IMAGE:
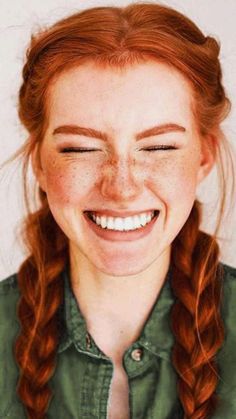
(69, 182)
(174, 179)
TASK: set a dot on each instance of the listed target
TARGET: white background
(18, 20)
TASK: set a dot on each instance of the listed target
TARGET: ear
(208, 156)
(37, 168)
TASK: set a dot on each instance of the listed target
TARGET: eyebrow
(91, 132)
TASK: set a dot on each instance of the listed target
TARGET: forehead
(138, 94)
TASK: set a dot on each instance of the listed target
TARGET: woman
(122, 307)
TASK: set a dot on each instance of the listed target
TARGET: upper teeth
(128, 223)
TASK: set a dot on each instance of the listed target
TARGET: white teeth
(103, 222)
(128, 224)
(123, 224)
(110, 223)
(118, 224)
(136, 221)
(143, 219)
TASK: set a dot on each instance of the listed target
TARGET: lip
(121, 214)
(112, 235)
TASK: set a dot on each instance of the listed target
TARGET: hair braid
(195, 317)
(41, 295)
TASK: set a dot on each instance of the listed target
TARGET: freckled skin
(121, 174)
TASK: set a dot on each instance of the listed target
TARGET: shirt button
(136, 354)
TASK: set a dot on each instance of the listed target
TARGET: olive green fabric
(83, 373)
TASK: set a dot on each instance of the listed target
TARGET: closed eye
(160, 147)
(77, 150)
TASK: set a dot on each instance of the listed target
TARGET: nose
(121, 180)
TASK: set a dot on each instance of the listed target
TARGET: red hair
(117, 37)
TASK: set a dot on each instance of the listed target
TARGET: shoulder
(229, 272)
(9, 327)
(227, 353)
(9, 285)
(229, 286)
(228, 312)
(9, 294)
(229, 297)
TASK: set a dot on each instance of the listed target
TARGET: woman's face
(126, 170)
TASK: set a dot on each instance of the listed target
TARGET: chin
(121, 269)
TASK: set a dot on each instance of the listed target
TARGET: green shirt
(83, 374)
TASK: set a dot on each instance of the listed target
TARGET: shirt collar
(156, 335)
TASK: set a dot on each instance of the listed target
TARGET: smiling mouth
(131, 223)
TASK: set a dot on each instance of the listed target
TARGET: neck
(116, 304)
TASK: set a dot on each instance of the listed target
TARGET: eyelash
(87, 150)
